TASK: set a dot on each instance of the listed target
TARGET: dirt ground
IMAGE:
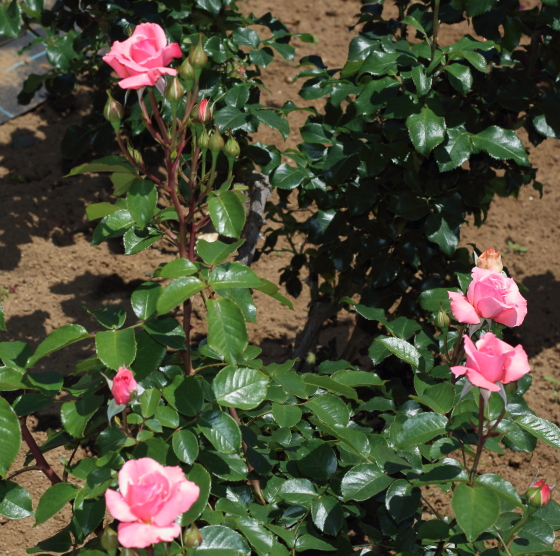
(48, 268)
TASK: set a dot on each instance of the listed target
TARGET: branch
(260, 192)
(39, 458)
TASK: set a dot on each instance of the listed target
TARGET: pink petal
(142, 535)
(459, 370)
(478, 380)
(508, 317)
(462, 310)
(490, 307)
(136, 82)
(491, 367)
(117, 507)
(133, 471)
(153, 32)
(170, 52)
(119, 68)
(517, 365)
(184, 496)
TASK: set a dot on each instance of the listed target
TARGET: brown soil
(47, 259)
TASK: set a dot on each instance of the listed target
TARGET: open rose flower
(123, 386)
(492, 361)
(491, 295)
(151, 498)
(142, 59)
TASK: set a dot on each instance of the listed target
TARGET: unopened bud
(216, 142)
(442, 318)
(186, 71)
(203, 112)
(203, 139)
(109, 539)
(538, 494)
(174, 91)
(135, 154)
(232, 149)
(490, 260)
(192, 537)
(197, 56)
(113, 111)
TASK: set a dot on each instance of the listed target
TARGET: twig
(42, 463)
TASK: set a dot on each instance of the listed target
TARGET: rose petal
(142, 535)
(112, 60)
(133, 471)
(516, 365)
(117, 507)
(183, 497)
(136, 82)
(462, 310)
(478, 380)
(152, 32)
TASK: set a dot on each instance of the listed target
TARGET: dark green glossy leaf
(421, 428)
(502, 144)
(221, 430)
(116, 347)
(426, 130)
(76, 415)
(227, 214)
(53, 500)
(141, 201)
(10, 434)
(185, 395)
(240, 387)
(287, 177)
(364, 481)
(227, 333)
(185, 446)
(144, 299)
(15, 501)
(216, 252)
(476, 509)
(327, 515)
(460, 77)
(177, 292)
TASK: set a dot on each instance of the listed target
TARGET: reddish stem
(39, 458)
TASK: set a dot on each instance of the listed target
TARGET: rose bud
(186, 71)
(490, 260)
(174, 91)
(192, 537)
(538, 494)
(109, 539)
(442, 318)
(123, 386)
(203, 139)
(198, 57)
(203, 112)
(216, 142)
(232, 149)
(113, 112)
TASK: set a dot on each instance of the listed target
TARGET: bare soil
(48, 268)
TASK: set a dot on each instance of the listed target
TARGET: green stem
(435, 28)
(481, 439)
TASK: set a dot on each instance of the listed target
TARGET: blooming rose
(141, 59)
(491, 361)
(123, 385)
(490, 260)
(491, 295)
(151, 498)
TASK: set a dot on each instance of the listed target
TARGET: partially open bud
(192, 537)
(490, 260)
(174, 91)
(109, 539)
(442, 318)
(232, 149)
(113, 112)
(186, 71)
(203, 112)
(216, 142)
(203, 139)
(538, 494)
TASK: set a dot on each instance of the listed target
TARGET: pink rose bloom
(142, 59)
(123, 385)
(491, 295)
(491, 361)
(151, 498)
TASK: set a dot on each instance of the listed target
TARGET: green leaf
(329, 384)
(141, 201)
(460, 77)
(327, 515)
(11, 380)
(178, 292)
(478, 7)
(15, 355)
(298, 492)
(166, 331)
(212, 6)
(185, 395)
(273, 120)
(456, 149)
(136, 240)
(430, 300)
(287, 177)
(76, 415)
(330, 409)
(476, 509)
(216, 252)
(501, 487)
(380, 63)
(317, 460)
(10, 19)
(234, 275)
(177, 269)
(502, 144)
(114, 225)
(440, 231)
(240, 387)
(402, 500)
(116, 347)
(15, 501)
(121, 182)
(2, 320)
(286, 415)
(58, 339)
(541, 428)
(100, 210)
(10, 434)
(200, 477)
(149, 402)
(227, 214)
(229, 467)
(439, 397)
(401, 348)
(272, 290)
(244, 36)
(292, 383)
(238, 95)
(421, 428)
(221, 430)
(426, 130)
(112, 316)
(185, 446)
(363, 482)
(105, 164)
(244, 300)
(218, 540)
(231, 117)
(314, 133)
(261, 539)
(227, 333)
(53, 500)
(144, 299)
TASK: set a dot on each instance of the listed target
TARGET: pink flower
(538, 494)
(490, 260)
(151, 498)
(123, 385)
(491, 295)
(142, 59)
(491, 361)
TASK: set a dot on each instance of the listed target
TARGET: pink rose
(142, 59)
(151, 498)
(491, 361)
(204, 112)
(538, 494)
(123, 385)
(491, 295)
